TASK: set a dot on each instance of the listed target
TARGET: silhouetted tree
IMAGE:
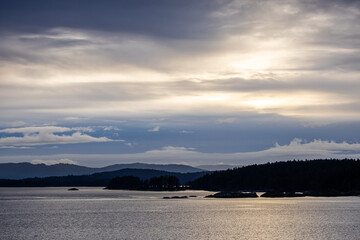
(315, 175)
(155, 183)
(166, 182)
(126, 182)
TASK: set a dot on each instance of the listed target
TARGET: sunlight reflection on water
(93, 213)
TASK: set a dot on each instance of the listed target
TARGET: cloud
(296, 149)
(155, 129)
(17, 124)
(225, 120)
(186, 131)
(217, 56)
(83, 129)
(72, 118)
(110, 128)
(211, 60)
(129, 144)
(186, 18)
(53, 162)
(171, 150)
(28, 130)
(34, 136)
(15, 147)
(300, 149)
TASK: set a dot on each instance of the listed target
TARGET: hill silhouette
(28, 170)
(97, 179)
(162, 183)
(291, 176)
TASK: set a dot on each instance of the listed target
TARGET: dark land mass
(328, 193)
(313, 177)
(280, 179)
(161, 183)
(176, 197)
(217, 167)
(233, 195)
(28, 170)
(97, 179)
(275, 194)
(179, 168)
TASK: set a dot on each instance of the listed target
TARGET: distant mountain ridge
(217, 167)
(101, 179)
(29, 170)
(181, 168)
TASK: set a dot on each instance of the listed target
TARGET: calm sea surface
(94, 213)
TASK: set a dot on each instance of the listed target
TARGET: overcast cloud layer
(218, 77)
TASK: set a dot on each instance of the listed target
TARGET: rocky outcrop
(176, 197)
(283, 194)
(233, 195)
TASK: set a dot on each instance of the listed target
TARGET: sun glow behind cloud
(141, 74)
(265, 55)
(165, 96)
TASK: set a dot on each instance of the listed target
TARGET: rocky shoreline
(279, 194)
(233, 195)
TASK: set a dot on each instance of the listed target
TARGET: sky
(192, 82)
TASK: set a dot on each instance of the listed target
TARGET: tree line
(135, 183)
(308, 175)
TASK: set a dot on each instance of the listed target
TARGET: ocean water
(94, 213)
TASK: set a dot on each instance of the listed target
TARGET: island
(176, 197)
(276, 194)
(237, 194)
(315, 178)
(162, 183)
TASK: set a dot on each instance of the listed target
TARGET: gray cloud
(92, 97)
(34, 136)
(28, 130)
(52, 162)
(155, 18)
(155, 129)
(322, 46)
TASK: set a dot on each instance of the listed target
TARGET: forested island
(162, 183)
(283, 179)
